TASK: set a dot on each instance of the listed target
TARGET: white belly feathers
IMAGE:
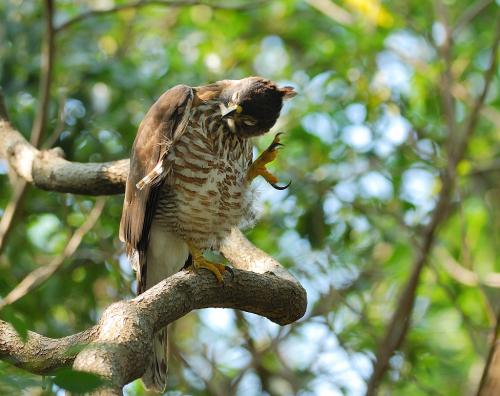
(208, 193)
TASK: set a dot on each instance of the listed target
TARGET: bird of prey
(190, 171)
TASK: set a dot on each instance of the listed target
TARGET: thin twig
(18, 191)
(492, 166)
(490, 380)
(332, 11)
(470, 326)
(41, 274)
(210, 388)
(59, 128)
(400, 321)
(11, 211)
(464, 275)
(488, 77)
(159, 3)
(469, 14)
(446, 79)
(48, 56)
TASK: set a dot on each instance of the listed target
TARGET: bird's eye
(249, 122)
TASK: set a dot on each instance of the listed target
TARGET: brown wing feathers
(161, 127)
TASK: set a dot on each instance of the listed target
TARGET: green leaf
(77, 381)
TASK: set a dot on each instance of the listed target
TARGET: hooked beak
(231, 109)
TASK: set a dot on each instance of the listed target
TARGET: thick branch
(117, 347)
(39, 354)
(48, 170)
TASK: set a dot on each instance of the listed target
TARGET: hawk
(190, 171)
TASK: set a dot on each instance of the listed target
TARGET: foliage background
(367, 139)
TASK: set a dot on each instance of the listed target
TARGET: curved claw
(230, 270)
(275, 145)
(275, 186)
(276, 141)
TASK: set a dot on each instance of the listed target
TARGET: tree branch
(470, 13)
(116, 348)
(47, 69)
(490, 380)
(464, 275)
(11, 210)
(41, 274)
(48, 170)
(39, 354)
(158, 3)
(333, 11)
(399, 325)
(48, 55)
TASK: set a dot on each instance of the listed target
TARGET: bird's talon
(258, 167)
(230, 270)
(201, 262)
(274, 146)
(275, 186)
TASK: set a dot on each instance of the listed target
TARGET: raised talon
(258, 167)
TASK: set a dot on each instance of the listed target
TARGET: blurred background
(392, 146)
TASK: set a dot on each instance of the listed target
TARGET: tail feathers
(166, 254)
(155, 376)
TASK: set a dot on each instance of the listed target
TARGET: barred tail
(166, 255)
(155, 376)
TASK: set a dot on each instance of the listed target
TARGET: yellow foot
(258, 167)
(201, 262)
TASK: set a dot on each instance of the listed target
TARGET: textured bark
(48, 170)
(40, 355)
(117, 347)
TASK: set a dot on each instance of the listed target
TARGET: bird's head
(251, 106)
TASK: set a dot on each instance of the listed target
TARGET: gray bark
(117, 346)
(48, 170)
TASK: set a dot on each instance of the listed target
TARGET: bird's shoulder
(209, 92)
(172, 98)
